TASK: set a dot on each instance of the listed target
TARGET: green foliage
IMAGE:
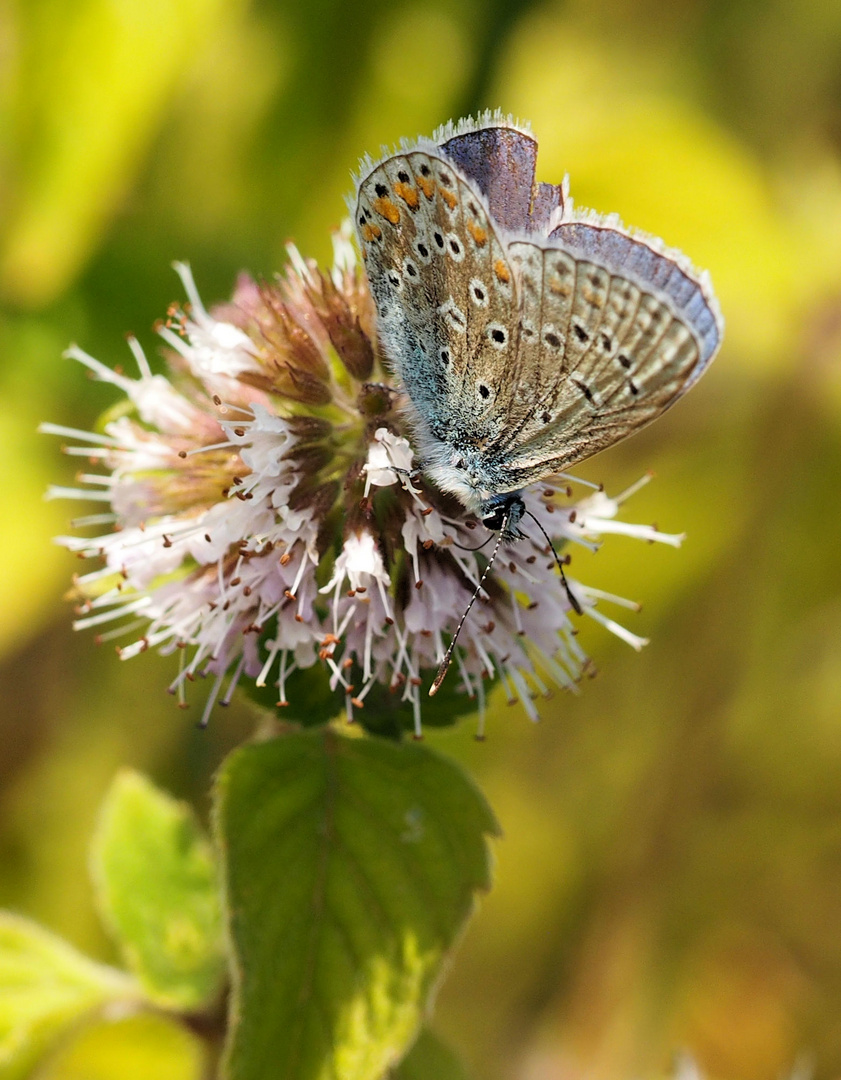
(46, 987)
(351, 867)
(134, 1047)
(157, 888)
(429, 1059)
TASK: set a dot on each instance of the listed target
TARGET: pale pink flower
(262, 514)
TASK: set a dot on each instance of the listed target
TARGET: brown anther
(550, 509)
(246, 591)
(426, 512)
(237, 480)
(289, 594)
(419, 584)
(425, 633)
(239, 432)
(285, 559)
(389, 621)
(298, 618)
(362, 588)
(167, 541)
(415, 681)
(357, 703)
(490, 627)
(235, 581)
(548, 493)
(330, 639)
(512, 566)
(217, 400)
(325, 654)
(531, 560)
(208, 538)
(281, 704)
(572, 516)
(532, 606)
(347, 662)
(182, 453)
(350, 594)
(427, 544)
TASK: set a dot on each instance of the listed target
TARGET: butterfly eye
(484, 391)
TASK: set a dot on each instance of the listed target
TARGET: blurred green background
(670, 875)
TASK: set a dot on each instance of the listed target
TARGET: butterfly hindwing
(443, 288)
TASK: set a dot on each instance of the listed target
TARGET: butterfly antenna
(448, 656)
(576, 606)
(478, 546)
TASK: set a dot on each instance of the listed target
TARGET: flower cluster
(264, 514)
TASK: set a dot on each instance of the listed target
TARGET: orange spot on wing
(371, 232)
(558, 287)
(479, 235)
(502, 272)
(386, 208)
(448, 198)
(408, 194)
(426, 184)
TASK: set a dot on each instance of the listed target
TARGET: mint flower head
(263, 515)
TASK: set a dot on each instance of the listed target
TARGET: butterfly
(527, 336)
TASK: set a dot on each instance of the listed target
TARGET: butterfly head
(502, 513)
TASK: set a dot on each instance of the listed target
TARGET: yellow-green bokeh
(670, 876)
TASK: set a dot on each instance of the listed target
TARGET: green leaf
(157, 886)
(429, 1059)
(134, 1047)
(351, 867)
(45, 988)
